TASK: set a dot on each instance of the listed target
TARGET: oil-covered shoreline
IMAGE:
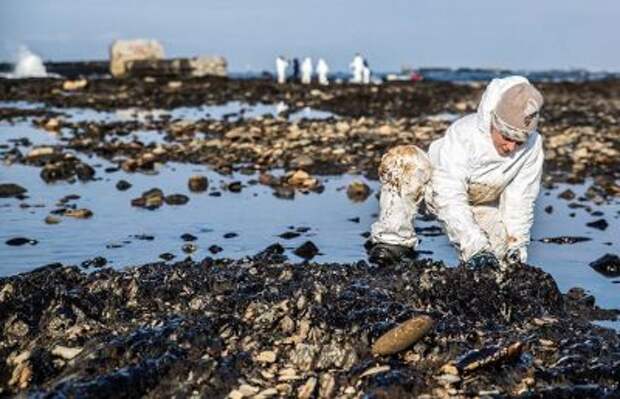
(263, 326)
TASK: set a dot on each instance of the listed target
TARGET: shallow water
(257, 217)
(231, 110)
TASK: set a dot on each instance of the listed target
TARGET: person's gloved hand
(483, 259)
(513, 256)
(516, 255)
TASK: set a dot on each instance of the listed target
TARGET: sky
(524, 34)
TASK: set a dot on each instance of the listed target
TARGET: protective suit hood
(491, 97)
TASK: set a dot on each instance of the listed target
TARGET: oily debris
(263, 326)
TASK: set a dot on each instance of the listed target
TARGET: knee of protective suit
(405, 169)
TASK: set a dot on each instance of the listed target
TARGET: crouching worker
(480, 179)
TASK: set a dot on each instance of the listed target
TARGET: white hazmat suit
(484, 201)
(306, 71)
(281, 65)
(357, 67)
(366, 75)
(322, 70)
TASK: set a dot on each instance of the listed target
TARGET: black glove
(513, 256)
(483, 259)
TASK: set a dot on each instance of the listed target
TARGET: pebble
(79, 213)
(215, 249)
(19, 241)
(66, 352)
(600, 224)
(176, 199)
(307, 250)
(188, 237)
(11, 190)
(358, 191)
(166, 256)
(123, 185)
(198, 184)
(403, 335)
(50, 219)
(189, 248)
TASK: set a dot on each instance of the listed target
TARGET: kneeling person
(480, 179)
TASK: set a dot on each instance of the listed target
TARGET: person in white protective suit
(306, 71)
(357, 67)
(322, 70)
(366, 73)
(480, 179)
(281, 66)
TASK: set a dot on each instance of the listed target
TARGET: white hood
(491, 97)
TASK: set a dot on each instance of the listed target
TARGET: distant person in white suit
(365, 73)
(306, 71)
(357, 66)
(322, 69)
(281, 66)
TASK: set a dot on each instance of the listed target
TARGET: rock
(66, 352)
(266, 357)
(123, 185)
(198, 184)
(51, 219)
(235, 187)
(188, 237)
(72, 85)
(79, 213)
(549, 209)
(289, 235)
(600, 224)
(302, 161)
(307, 250)
(84, 172)
(579, 295)
(303, 356)
(39, 153)
(336, 355)
(215, 249)
(403, 335)
(478, 359)
(8, 190)
(177, 67)
(567, 194)
(166, 256)
(176, 199)
(564, 240)
(51, 125)
(608, 265)
(98, 261)
(21, 376)
(123, 51)
(151, 199)
(327, 384)
(19, 241)
(284, 192)
(189, 248)
(305, 391)
(208, 65)
(143, 237)
(302, 179)
(358, 191)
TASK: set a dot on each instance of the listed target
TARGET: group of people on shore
(303, 72)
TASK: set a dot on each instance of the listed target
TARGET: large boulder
(177, 67)
(122, 51)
